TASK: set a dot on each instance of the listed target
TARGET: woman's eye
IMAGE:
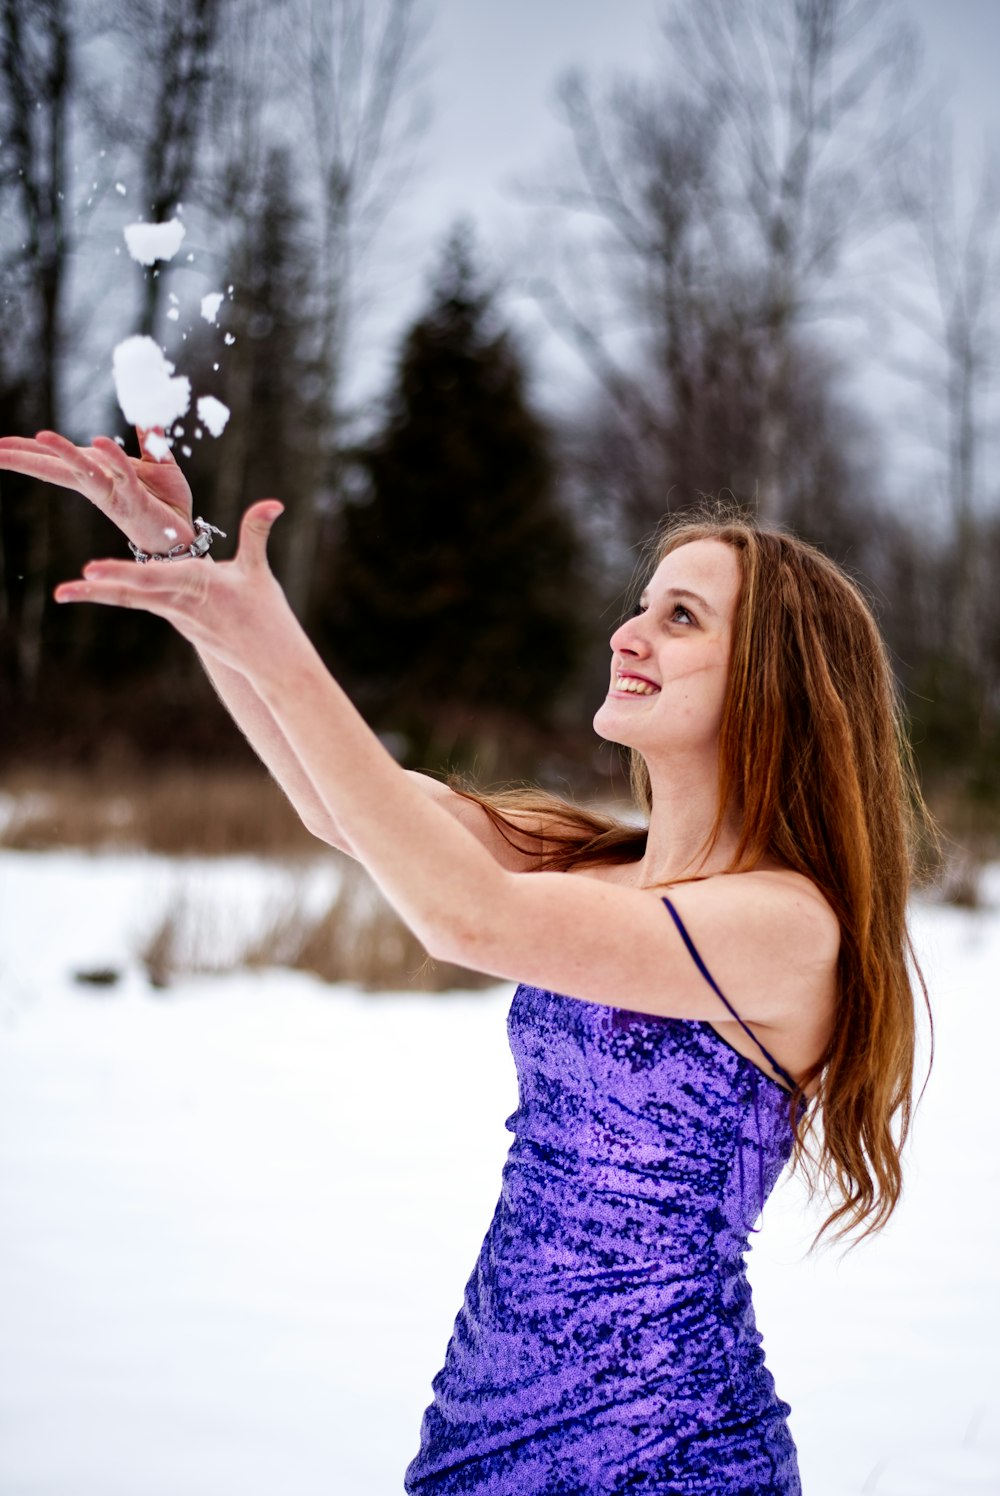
(687, 618)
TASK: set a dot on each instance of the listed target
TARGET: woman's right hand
(148, 500)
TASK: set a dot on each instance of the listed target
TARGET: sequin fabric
(607, 1342)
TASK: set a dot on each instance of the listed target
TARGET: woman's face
(670, 661)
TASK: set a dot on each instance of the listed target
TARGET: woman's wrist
(203, 536)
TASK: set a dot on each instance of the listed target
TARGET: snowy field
(238, 1217)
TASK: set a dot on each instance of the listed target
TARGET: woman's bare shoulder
(798, 899)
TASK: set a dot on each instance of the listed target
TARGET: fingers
(85, 467)
(53, 441)
(255, 527)
(157, 587)
(115, 456)
(96, 586)
(53, 459)
(23, 455)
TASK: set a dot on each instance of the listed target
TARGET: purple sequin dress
(607, 1342)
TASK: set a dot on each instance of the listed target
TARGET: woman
(694, 996)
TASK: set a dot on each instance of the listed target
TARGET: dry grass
(183, 943)
(358, 938)
(969, 840)
(177, 812)
(218, 813)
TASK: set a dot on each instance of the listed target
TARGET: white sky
(491, 71)
(494, 66)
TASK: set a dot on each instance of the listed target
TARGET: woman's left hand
(235, 610)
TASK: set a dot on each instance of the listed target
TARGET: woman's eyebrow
(683, 592)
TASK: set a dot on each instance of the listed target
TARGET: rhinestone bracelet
(199, 546)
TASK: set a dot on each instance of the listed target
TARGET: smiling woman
(695, 996)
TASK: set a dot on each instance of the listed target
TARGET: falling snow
(158, 446)
(210, 305)
(147, 394)
(149, 242)
(213, 413)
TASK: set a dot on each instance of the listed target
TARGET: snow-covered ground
(237, 1217)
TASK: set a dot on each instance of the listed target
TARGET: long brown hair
(814, 754)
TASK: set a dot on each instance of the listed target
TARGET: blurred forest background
(721, 244)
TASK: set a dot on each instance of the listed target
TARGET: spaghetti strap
(778, 1069)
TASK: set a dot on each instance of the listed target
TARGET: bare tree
(814, 101)
(173, 65)
(730, 195)
(36, 73)
(353, 72)
(36, 77)
(959, 238)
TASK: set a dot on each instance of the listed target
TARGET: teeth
(635, 686)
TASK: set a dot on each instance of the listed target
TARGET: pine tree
(452, 606)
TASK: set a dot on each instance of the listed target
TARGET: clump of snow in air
(149, 242)
(210, 305)
(172, 314)
(157, 446)
(229, 340)
(147, 392)
(213, 413)
(120, 188)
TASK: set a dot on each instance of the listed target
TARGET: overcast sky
(490, 72)
(494, 64)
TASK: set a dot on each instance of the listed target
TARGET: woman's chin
(609, 725)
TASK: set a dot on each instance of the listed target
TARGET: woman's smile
(625, 683)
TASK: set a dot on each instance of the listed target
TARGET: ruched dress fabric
(607, 1340)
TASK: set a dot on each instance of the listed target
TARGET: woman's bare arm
(150, 502)
(262, 732)
(770, 935)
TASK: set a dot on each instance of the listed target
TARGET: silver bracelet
(199, 546)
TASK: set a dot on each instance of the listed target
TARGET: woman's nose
(628, 638)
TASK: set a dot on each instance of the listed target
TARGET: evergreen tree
(452, 606)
